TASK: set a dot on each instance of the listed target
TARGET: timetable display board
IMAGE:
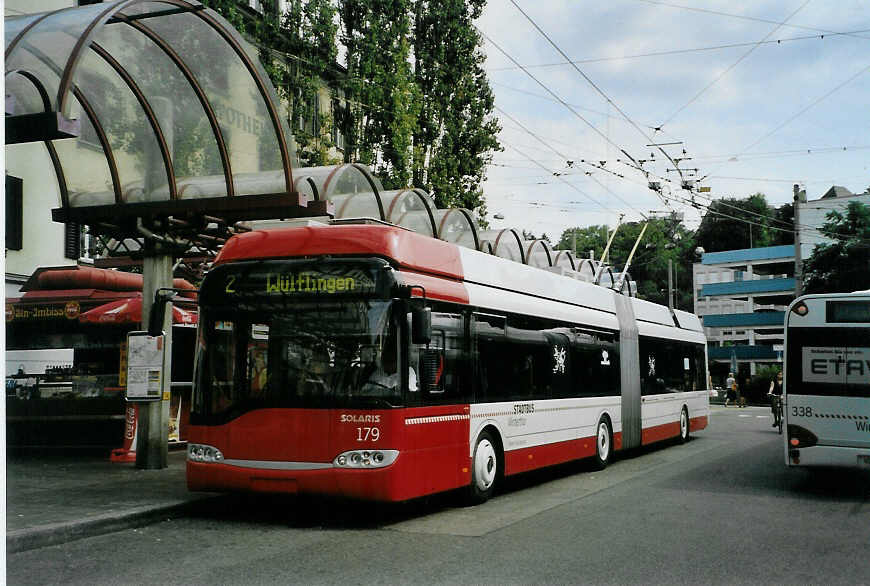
(146, 356)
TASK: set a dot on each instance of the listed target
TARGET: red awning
(129, 311)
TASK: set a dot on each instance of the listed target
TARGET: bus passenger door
(438, 413)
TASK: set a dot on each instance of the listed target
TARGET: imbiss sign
(849, 366)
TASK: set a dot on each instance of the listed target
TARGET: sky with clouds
(760, 95)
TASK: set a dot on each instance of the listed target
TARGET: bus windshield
(315, 354)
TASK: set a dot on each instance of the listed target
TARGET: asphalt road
(721, 509)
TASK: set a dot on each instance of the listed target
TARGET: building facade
(741, 295)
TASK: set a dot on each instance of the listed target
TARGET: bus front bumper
(375, 484)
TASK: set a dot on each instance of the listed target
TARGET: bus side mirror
(158, 311)
(421, 325)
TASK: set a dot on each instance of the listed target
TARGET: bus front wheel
(484, 468)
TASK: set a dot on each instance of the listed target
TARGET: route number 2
(364, 434)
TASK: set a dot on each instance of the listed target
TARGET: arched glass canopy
(538, 254)
(458, 226)
(173, 103)
(505, 243)
(564, 259)
(410, 208)
(351, 188)
(587, 267)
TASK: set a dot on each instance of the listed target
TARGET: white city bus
(827, 380)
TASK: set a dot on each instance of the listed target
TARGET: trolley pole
(152, 441)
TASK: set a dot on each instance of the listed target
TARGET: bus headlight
(203, 453)
(366, 458)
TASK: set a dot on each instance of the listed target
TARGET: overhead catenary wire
(716, 79)
(803, 227)
(745, 17)
(375, 107)
(793, 117)
(559, 99)
(591, 60)
(597, 89)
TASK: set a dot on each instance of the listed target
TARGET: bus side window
(595, 366)
(491, 350)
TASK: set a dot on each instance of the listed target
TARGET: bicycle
(776, 407)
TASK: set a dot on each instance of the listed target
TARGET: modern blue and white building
(741, 297)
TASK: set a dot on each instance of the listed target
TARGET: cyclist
(775, 394)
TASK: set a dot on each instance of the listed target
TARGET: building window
(14, 213)
(315, 111)
(337, 136)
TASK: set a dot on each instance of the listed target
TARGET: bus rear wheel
(603, 444)
(684, 425)
(484, 469)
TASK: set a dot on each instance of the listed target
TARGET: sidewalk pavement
(52, 499)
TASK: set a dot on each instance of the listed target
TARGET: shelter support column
(152, 443)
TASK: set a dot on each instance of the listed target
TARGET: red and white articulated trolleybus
(371, 362)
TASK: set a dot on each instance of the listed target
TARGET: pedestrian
(775, 393)
(730, 388)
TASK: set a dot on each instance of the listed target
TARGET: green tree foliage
(842, 265)
(379, 115)
(732, 224)
(584, 240)
(456, 132)
(783, 225)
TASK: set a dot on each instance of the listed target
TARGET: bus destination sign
(850, 366)
(842, 312)
(288, 279)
